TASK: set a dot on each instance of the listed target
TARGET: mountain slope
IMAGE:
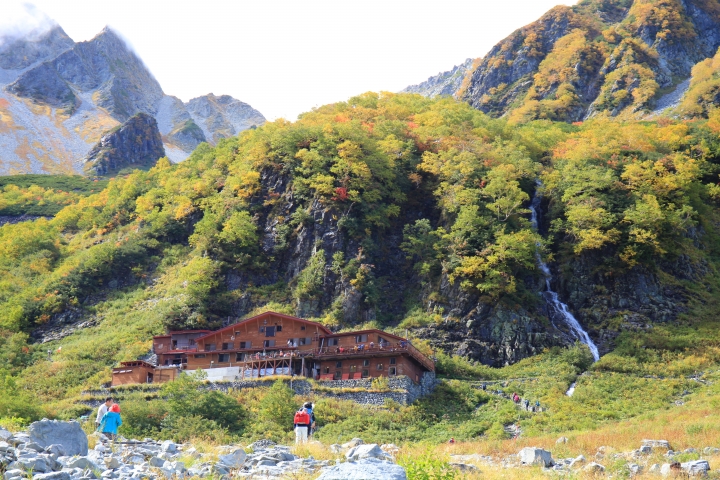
(444, 83)
(59, 97)
(614, 57)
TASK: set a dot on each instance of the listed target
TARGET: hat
(115, 408)
(308, 405)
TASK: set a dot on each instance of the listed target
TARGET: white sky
(284, 57)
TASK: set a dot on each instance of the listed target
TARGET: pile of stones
(53, 450)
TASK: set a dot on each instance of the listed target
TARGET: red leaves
(341, 194)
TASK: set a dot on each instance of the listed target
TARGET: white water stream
(561, 310)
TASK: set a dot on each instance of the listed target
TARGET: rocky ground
(54, 450)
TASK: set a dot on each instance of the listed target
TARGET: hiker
(302, 425)
(537, 405)
(527, 404)
(311, 411)
(484, 386)
(451, 441)
(110, 422)
(102, 411)
(515, 397)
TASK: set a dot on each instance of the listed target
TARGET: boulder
(593, 467)
(465, 467)
(53, 476)
(668, 468)
(67, 434)
(372, 450)
(13, 474)
(156, 462)
(233, 459)
(535, 456)
(364, 469)
(575, 461)
(645, 450)
(635, 469)
(711, 451)
(168, 446)
(657, 444)
(5, 435)
(112, 462)
(82, 463)
(561, 440)
(352, 443)
(695, 468)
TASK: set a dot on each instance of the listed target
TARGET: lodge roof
(362, 332)
(323, 329)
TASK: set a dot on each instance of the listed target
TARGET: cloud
(23, 20)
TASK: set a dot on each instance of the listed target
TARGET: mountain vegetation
(411, 214)
(609, 57)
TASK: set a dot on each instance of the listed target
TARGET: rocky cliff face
(223, 116)
(135, 144)
(612, 56)
(444, 83)
(58, 97)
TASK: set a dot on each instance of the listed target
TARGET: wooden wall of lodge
(139, 374)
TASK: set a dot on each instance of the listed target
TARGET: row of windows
(334, 342)
(292, 342)
(366, 363)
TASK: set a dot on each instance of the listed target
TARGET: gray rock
(657, 444)
(696, 467)
(53, 476)
(645, 450)
(168, 446)
(56, 451)
(5, 435)
(67, 434)
(561, 440)
(711, 451)
(353, 443)
(593, 467)
(654, 468)
(233, 459)
(33, 446)
(112, 462)
(156, 462)
(365, 469)
(464, 467)
(535, 456)
(372, 450)
(579, 459)
(634, 468)
(13, 474)
(82, 463)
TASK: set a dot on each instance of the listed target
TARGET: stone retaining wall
(401, 389)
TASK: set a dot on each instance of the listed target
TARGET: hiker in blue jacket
(110, 422)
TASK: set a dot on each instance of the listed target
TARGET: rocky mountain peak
(136, 143)
(20, 53)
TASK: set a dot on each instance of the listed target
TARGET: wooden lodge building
(277, 344)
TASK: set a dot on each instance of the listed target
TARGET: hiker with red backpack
(302, 425)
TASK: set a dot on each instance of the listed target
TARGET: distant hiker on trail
(451, 441)
(102, 411)
(527, 404)
(110, 422)
(302, 425)
(515, 397)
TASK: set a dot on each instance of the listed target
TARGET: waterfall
(571, 390)
(551, 297)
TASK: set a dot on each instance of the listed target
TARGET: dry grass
(316, 450)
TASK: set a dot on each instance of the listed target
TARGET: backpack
(302, 418)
